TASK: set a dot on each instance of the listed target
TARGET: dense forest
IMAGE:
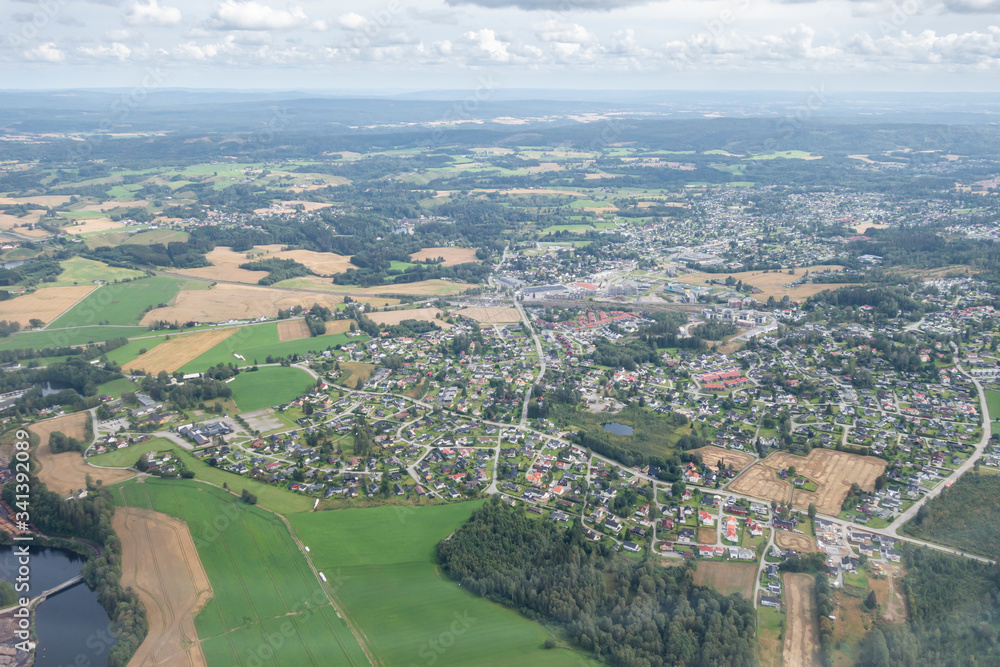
(966, 516)
(623, 611)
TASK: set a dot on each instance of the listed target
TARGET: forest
(623, 611)
(965, 516)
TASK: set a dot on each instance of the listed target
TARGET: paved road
(541, 361)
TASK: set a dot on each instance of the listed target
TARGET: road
(541, 361)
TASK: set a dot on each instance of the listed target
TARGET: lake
(618, 429)
(71, 624)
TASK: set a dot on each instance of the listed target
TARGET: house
(706, 518)
(770, 601)
(631, 546)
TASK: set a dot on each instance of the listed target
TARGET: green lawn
(81, 271)
(267, 604)
(269, 386)
(127, 457)
(257, 341)
(158, 236)
(116, 388)
(381, 563)
(130, 350)
(124, 303)
(58, 338)
(993, 407)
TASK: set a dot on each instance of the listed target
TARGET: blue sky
(456, 44)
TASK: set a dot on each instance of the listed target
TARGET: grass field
(390, 587)
(257, 341)
(771, 283)
(116, 388)
(125, 303)
(269, 386)
(788, 155)
(993, 407)
(174, 353)
(127, 457)
(60, 337)
(266, 601)
(81, 271)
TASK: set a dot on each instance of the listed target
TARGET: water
(618, 429)
(53, 387)
(11, 265)
(71, 623)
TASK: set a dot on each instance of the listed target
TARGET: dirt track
(801, 636)
(67, 472)
(160, 561)
(801, 543)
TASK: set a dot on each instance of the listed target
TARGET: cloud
(116, 50)
(487, 41)
(552, 5)
(252, 15)
(567, 33)
(153, 14)
(975, 49)
(972, 6)
(48, 53)
(352, 21)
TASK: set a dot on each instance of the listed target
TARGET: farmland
(292, 330)
(491, 315)
(67, 472)
(124, 303)
(160, 561)
(803, 544)
(421, 314)
(451, 256)
(261, 582)
(256, 342)
(269, 386)
(79, 270)
(391, 588)
(179, 350)
(45, 304)
(234, 302)
(772, 283)
(711, 456)
(727, 578)
(126, 457)
(833, 472)
(434, 287)
(801, 636)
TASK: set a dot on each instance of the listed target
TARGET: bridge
(41, 597)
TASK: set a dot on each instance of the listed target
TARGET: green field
(268, 604)
(788, 155)
(993, 407)
(81, 271)
(257, 341)
(389, 585)
(64, 337)
(116, 388)
(158, 236)
(269, 386)
(124, 303)
(131, 350)
(127, 457)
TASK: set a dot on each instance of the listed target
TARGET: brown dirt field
(46, 304)
(727, 578)
(804, 544)
(772, 283)
(397, 316)
(359, 371)
(491, 315)
(160, 561)
(708, 534)
(338, 326)
(323, 263)
(67, 472)
(292, 330)
(236, 302)
(179, 350)
(711, 455)
(892, 604)
(92, 225)
(833, 472)
(802, 635)
(225, 266)
(862, 226)
(452, 256)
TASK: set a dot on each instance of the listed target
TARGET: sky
(408, 45)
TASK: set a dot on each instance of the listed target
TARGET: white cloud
(116, 50)
(47, 52)
(252, 15)
(121, 35)
(567, 33)
(976, 49)
(153, 14)
(352, 21)
(487, 41)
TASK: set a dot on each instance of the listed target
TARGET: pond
(71, 624)
(618, 429)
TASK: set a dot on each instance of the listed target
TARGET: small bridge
(41, 597)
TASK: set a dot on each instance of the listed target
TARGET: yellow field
(88, 225)
(235, 302)
(434, 287)
(727, 578)
(323, 263)
(292, 330)
(225, 266)
(358, 371)
(452, 256)
(45, 304)
(774, 283)
(160, 561)
(179, 350)
(491, 315)
(67, 472)
(397, 316)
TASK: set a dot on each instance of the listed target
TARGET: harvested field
(773, 283)
(862, 226)
(711, 455)
(452, 256)
(235, 302)
(46, 304)
(8, 221)
(338, 326)
(727, 578)
(358, 371)
(225, 266)
(88, 225)
(802, 635)
(67, 472)
(397, 316)
(322, 263)
(160, 561)
(491, 315)
(292, 330)
(833, 472)
(803, 544)
(435, 287)
(179, 350)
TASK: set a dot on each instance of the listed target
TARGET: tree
(812, 510)
(792, 471)
(871, 601)
(248, 498)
